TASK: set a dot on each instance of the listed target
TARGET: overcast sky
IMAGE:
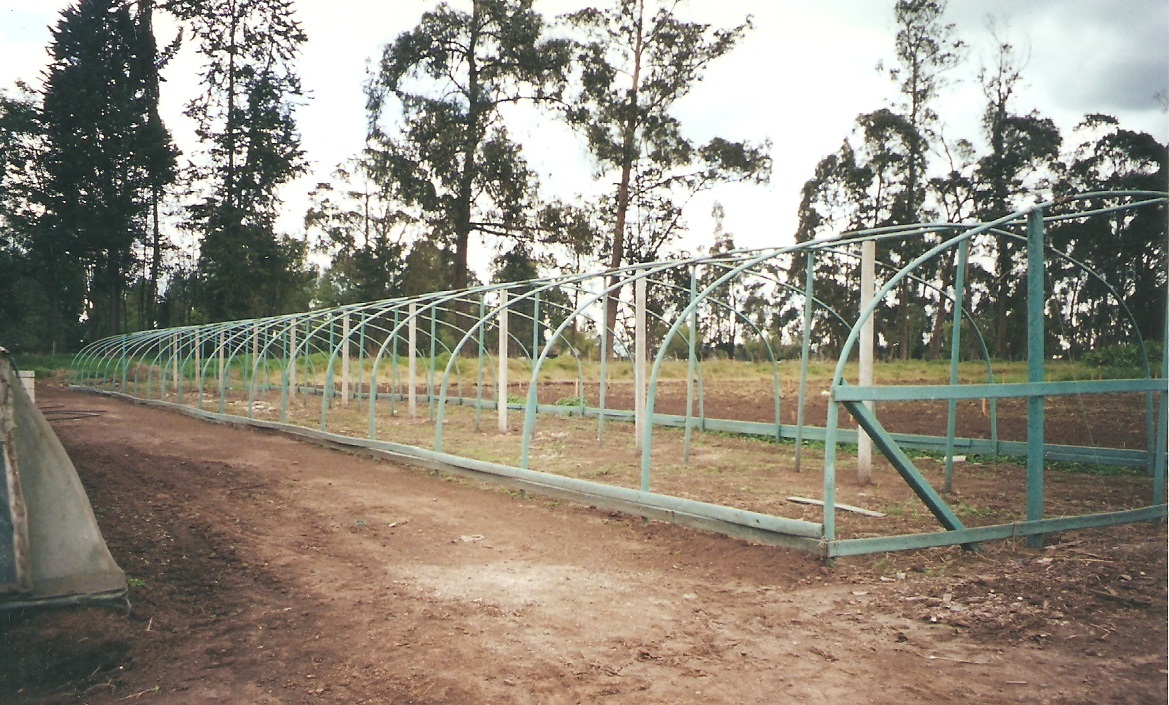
(799, 79)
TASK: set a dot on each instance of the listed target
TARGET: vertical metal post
(830, 471)
(222, 360)
(864, 444)
(955, 359)
(805, 349)
(345, 361)
(1035, 370)
(639, 348)
(412, 364)
(501, 377)
(691, 361)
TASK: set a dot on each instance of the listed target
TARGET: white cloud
(800, 78)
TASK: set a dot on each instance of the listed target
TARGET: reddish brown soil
(265, 570)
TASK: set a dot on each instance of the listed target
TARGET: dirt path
(265, 570)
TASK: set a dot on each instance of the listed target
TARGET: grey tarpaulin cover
(51, 549)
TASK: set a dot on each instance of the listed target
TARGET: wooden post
(198, 369)
(175, 366)
(501, 381)
(292, 358)
(412, 364)
(639, 347)
(345, 361)
(864, 445)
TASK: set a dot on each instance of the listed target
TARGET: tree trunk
(471, 139)
(628, 156)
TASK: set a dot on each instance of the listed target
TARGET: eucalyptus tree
(635, 63)
(245, 120)
(362, 230)
(1023, 149)
(925, 48)
(1128, 249)
(437, 134)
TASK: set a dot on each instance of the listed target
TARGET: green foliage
(452, 160)
(245, 121)
(45, 365)
(1124, 359)
(106, 157)
(632, 69)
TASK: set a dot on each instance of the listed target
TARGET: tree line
(89, 172)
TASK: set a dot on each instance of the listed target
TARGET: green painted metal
(1002, 390)
(867, 420)
(955, 359)
(978, 534)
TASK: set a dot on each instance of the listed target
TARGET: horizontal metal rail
(1004, 390)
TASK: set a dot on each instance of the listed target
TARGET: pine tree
(245, 121)
(106, 152)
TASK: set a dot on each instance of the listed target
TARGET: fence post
(639, 347)
(1035, 371)
(805, 350)
(345, 361)
(864, 444)
(412, 363)
(501, 381)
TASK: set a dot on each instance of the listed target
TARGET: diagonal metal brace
(912, 476)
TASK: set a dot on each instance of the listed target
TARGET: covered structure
(51, 549)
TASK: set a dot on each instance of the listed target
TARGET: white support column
(292, 359)
(175, 366)
(198, 368)
(639, 354)
(501, 377)
(864, 445)
(221, 386)
(345, 361)
(412, 364)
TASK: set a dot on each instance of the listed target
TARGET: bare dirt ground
(266, 570)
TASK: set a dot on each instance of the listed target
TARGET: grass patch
(44, 365)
